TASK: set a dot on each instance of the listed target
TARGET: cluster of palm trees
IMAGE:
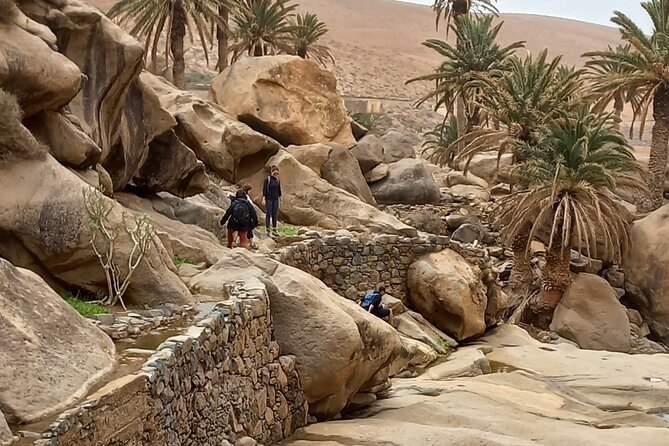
(238, 28)
(569, 158)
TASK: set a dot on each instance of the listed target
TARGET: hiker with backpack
(241, 218)
(372, 303)
(271, 191)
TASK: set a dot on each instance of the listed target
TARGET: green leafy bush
(86, 309)
(178, 261)
(289, 231)
(373, 122)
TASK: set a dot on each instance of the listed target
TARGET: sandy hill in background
(377, 43)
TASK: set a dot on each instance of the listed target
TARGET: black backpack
(241, 214)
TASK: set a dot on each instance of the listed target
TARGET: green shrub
(288, 231)
(84, 308)
(178, 261)
(373, 122)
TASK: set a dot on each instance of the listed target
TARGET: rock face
(398, 146)
(230, 148)
(117, 112)
(647, 271)
(448, 291)
(485, 166)
(6, 436)
(66, 141)
(368, 152)
(49, 354)
(590, 315)
(408, 182)
(311, 201)
(50, 226)
(288, 98)
(342, 170)
(40, 78)
(340, 349)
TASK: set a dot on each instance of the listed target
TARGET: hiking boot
(275, 232)
(267, 231)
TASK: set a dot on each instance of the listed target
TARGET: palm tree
(571, 173)
(525, 97)
(475, 54)
(148, 19)
(223, 36)
(261, 28)
(439, 142)
(450, 10)
(308, 30)
(644, 78)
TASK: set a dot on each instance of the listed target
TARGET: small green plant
(86, 309)
(373, 122)
(178, 261)
(288, 231)
(444, 345)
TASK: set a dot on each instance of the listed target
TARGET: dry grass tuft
(16, 142)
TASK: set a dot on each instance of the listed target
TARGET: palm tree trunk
(554, 280)
(617, 108)
(222, 36)
(657, 164)
(521, 274)
(177, 34)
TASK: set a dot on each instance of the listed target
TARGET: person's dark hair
(247, 187)
(240, 194)
(382, 289)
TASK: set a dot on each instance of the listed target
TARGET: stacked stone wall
(351, 266)
(221, 381)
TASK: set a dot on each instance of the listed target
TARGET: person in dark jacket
(241, 218)
(271, 191)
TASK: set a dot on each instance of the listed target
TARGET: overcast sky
(595, 11)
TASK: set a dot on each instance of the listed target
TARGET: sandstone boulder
(336, 165)
(398, 146)
(470, 193)
(187, 241)
(66, 141)
(590, 315)
(288, 98)
(368, 152)
(30, 68)
(488, 167)
(408, 182)
(42, 207)
(340, 349)
(448, 291)
(6, 436)
(456, 177)
(414, 326)
(377, 174)
(309, 200)
(230, 148)
(342, 170)
(647, 271)
(49, 354)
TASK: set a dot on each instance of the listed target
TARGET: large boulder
(227, 146)
(398, 146)
(408, 182)
(449, 292)
(342, 170)
(6, 436)
(42, 208)
(490, 166)
(66, 141)
(308, 200)
(336, 165)
(368, 152)
(647, 271)
(288, 98)
(118, 111)
(340, 349)
(49, 354)
(590, 314)
(30, 66)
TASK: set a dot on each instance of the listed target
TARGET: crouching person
(372, 302)
(241, 218)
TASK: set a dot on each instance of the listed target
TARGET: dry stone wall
(221, 381)
(353, 265)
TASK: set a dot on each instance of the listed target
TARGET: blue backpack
(368, 299)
